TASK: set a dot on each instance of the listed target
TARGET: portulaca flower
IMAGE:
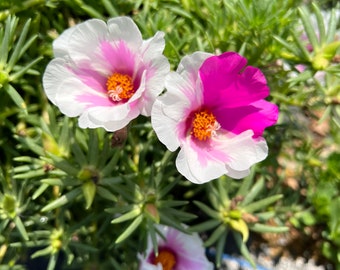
(214, 110)
(176, 251)
(105, 73)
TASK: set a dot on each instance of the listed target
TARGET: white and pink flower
(214, 110)
(176, 251)
(105, 73)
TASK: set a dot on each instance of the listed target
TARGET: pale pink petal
(188, 249)
(88, 54)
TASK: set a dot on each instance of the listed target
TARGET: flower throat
(166, 258)
(120, 87)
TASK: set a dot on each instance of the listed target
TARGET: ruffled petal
(180, 94)
(153, 47)
(124, 28)
(225, 84)
(243, 151)
(53, 77)
(89, 119)
(84, 41)
(156, 72)
(190, 65)
(61, 44)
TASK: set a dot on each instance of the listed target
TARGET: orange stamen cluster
(166, 258)
(119, 87)
(204, 125)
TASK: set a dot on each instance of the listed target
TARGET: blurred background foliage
(71, 198)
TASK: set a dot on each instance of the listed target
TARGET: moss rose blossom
(176, 251)
(105, 73)
(214, 110)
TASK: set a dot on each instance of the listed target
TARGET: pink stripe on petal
(94, 100)
(91, 78)
(119, 56)
(207, 151)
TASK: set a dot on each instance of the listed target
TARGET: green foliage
(76, 194)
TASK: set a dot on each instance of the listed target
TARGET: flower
(215, 112)
(176, 251)
(105, 73)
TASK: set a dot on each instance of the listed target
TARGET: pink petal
(256, 116)
(225, 84)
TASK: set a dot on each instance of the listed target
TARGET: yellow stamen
(166, 258)
(119, 87)
(204, 125)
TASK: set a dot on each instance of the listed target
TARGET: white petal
(188, 164)
(153, 47)
(191, 63)
(124, 28)
(54, 75)
(61, 44)
(110, 118)
(244, 151)
(237, 174)
(164, 127)
(159, 68)
(181, 97)
(85, 39)
(66, 97)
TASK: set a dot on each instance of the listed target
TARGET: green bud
(3, 78)
(152, 212)
(56, 242)
(319, 62)
(9, 205)
(240, 226)
(235, 214)
(89, 191)
(50, 145)
(88, 174)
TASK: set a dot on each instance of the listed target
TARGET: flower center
(119, 87)
(204, 125)
(166, 258)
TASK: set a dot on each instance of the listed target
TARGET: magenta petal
(218, 72)
(256, 116)
(225, 84)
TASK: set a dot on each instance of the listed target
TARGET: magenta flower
(105, 73)
(214, 110)
(177, 251)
